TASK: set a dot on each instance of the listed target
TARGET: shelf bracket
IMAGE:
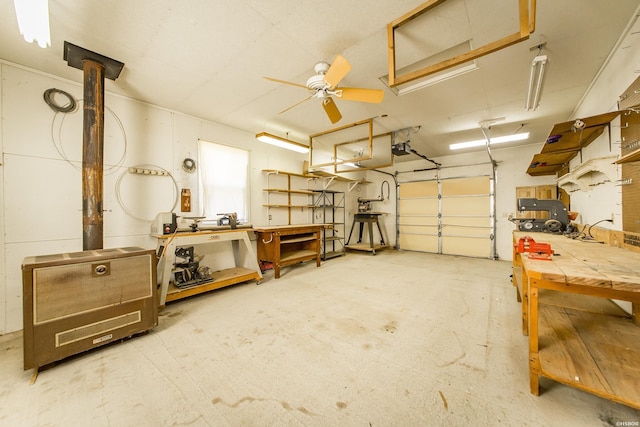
(327, 182)
(352, 186)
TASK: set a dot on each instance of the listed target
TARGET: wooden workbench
(284, 245)
(583, 339)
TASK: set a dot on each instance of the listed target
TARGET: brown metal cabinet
(73, 302)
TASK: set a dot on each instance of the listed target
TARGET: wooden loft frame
(527, 27)
(363, 167)
(368, 159)
(367, 156)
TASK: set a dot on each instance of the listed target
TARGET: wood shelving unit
(287, 193)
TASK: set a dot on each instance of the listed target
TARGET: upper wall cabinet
(566, 140)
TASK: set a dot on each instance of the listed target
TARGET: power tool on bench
(556, 222)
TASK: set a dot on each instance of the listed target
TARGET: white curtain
(224, 182)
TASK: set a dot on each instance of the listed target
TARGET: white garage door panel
(417, 229)
(466, 206)
(452, 216)
(419, 220)
(452, 230)
(474, 221)
(474, 247)
(418, 206)
(466, 186)
(421, 243)
(419, 189)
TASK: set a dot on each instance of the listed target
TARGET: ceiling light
(282, 142)
(536, 78)
(434, 79)
(438, 78)
(480, 142)
(33, 21)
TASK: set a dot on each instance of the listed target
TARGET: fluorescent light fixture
(480, 142)
(536, 78)
(282, 142)
(33, 21)
(437, 78)
(434, 79)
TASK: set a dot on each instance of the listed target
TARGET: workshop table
(368, 218)
(242, 268)
(590, 349)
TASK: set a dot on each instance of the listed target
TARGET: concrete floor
(396, 339)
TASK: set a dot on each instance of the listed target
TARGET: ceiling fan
(324, 85)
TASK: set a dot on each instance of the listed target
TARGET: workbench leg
(318, 250)
(534, 355)
(370, 228)
(635, 313)
(525, 303)
(276, 270)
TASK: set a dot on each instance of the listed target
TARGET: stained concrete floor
(395, 339)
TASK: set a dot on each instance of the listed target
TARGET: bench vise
(536, 250)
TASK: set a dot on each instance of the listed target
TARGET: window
(224, 180)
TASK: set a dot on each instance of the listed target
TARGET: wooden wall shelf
(590, 173)
(564, 142)
(634, 156)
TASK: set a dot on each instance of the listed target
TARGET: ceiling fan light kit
(324, 84)
(282, 142)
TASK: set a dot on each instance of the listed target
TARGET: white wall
(41, 195)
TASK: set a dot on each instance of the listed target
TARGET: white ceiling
(207, 58)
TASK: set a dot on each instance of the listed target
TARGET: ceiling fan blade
(285, 82)
(296, 104)
(331, 109)
(374, 96)
(336, 72)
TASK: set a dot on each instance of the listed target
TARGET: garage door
(449, 216)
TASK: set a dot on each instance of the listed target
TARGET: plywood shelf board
(295, 256)
(284, 240)
(221, 279)
(284, 190)
(596, 353)
(634, 156)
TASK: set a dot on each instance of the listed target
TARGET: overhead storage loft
(565, 142)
